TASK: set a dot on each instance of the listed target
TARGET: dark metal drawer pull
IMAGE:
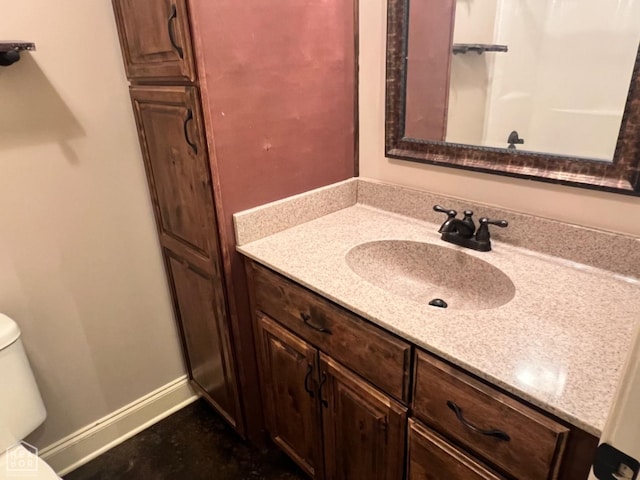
(499, 434)
(307, 377)
(193, 146)
(323, 402)
(306, 318)
(172, 38)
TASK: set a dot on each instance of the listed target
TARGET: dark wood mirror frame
(620, 176)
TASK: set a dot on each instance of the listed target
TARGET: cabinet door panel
(202, 318)
(364, 429)
(289, 377)
(169, 125)
(155, 40)
(432, 458)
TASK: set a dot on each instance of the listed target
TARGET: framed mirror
(539, 89)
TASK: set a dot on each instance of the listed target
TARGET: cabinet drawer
(156, 40)
(379, 357)
(431, 457)
(533, 445)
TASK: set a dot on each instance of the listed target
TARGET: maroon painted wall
(278, 84)
(279, 79)
(431, 25)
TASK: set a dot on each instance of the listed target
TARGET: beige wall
(584, 207)
(80, 267)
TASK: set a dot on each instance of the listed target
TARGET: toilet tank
(21, 407)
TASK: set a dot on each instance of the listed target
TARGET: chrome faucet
(463, 231)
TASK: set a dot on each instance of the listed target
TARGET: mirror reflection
(549, 76)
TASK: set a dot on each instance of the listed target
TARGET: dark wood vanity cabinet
(335, 423)
(156, 40)
(337, 401)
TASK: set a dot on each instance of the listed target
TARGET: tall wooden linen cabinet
(236, 104)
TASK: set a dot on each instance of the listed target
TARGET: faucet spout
(458, 227)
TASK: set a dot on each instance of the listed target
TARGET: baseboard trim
(87, 443)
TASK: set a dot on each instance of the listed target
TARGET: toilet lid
(19, 462)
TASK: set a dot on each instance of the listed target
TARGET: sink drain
(438, 302)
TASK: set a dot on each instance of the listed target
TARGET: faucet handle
(498, 223)
(482, 235)
(450, 213)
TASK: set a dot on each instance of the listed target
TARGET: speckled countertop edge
(493, 344)
(274, 217)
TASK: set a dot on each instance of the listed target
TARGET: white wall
(564, 82)
(80, 266)
(623, 426)
(607, 211)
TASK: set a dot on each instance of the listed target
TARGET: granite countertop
(559, 343)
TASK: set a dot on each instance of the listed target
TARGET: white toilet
(21, 409)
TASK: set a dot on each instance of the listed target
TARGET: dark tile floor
(192, 444)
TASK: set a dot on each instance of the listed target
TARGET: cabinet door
(288, 368)
(173, 147)
(155, 40)
(364, 429)
(200, 309)
(433, 458)
(176, 163)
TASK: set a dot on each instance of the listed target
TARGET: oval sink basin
(423, 272)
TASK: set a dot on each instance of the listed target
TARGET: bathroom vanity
(362, 378)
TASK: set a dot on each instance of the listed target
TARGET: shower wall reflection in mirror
(548, 76)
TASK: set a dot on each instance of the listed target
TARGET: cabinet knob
(323, 380)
